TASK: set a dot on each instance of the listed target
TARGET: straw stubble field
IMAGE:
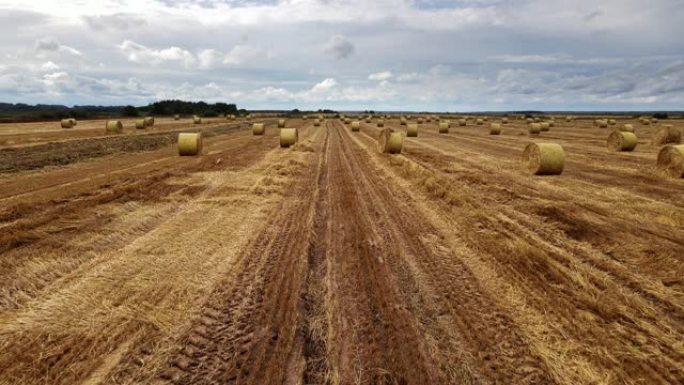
(330, 262)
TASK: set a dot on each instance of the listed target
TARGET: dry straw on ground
(258, 129)
(390, 142)
(622, 141)
(412, 130)
(288, 137)
(495, 129)
(189, 143)
(671, 160)
(667, 134)
(113, 127)
(544, 158)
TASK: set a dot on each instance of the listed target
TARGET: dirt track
(332, 263)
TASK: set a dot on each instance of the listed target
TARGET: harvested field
(329, 262)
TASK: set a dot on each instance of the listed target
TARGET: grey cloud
(340, 47)
(47, 44)
(117, 21)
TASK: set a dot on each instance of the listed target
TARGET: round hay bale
(356, 125)
(189, 144)
(412, 130)
(196, 120)
(667, 134)
(419, 120)
(149, 121)
(537, 119)
(281, 123)
(140, 124)
(73, 121)
(645, 122)
(66, 123)
(612, 122)
(258, 129)
(369, 120)
(535, 128)
(622, 141)
(568, 119)
(544, 126)
(402, 121)
(479, 121)
(551, 123)
(231, 117)
(495, 129)
(504, 120)
(544, 158)
(443, 128)
(627, 128)
(390, 142)
(671, 160)
(288, 137)
(486, 119)
(176, 117)
(462, 122)
(381, 123)
(317, 122)
(114, 126)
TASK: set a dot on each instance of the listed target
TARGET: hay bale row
(390, 142)
(189, 144)
(622, 141)
(288, 137)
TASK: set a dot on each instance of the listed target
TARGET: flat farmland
(331, 263)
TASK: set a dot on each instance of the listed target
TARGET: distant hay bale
(390, 142)
(402, 121)
(288, 137)
(443, 128)
(281, 123)
(369, 120)
(176, 117)
(317, 122)
(654, 120)
(356, 125)
(529, 120)
(645, 121)
(627, 128)
(504, 120)
(671, 160)
(113, 127)
(412, 130)
(462, 122)
(149, 121)
(479, 121)
(667, 134)
(484, 118)
(602, 123)
(612, 122)
(381, 123)
(66, 123)
(544, 126)
(196, 119)
(537, 119)
(258, 129)
(551, 123)
(622, 141)
(305, 117)
(189, 144)
(140, 124)
(568, 119)
(419, 120)
(495, 129)
(544, 158)
(535, 128)
(231, 117)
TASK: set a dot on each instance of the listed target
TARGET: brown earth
(330, 263)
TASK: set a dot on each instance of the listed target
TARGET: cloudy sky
(459, 55)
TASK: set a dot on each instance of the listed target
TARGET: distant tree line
(24, 112)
